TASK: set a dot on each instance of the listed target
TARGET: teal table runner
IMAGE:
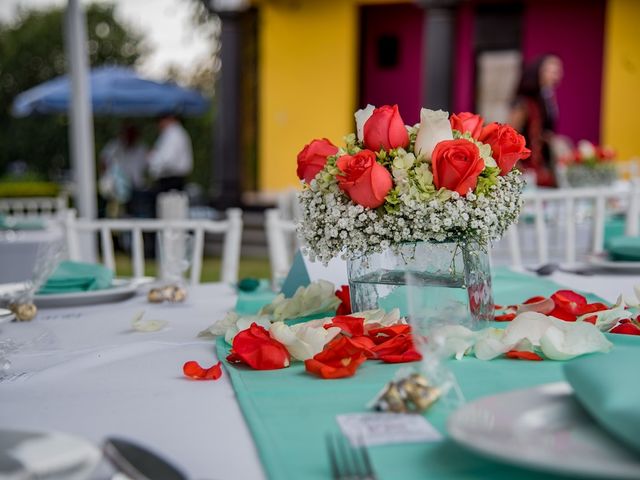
(289, 412)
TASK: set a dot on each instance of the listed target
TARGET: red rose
(467, 122)
(257, 349)
(313, 158)
(456, 165)
(507, 145)
(364, 180)
(385, 129)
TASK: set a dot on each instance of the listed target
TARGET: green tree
(31, 52)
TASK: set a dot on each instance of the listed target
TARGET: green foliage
(487, 179)
(31, 52)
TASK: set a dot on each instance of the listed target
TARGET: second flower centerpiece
(421, 202)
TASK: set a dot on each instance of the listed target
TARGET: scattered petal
(523, 355)
(626, 329)
(351, 325)
(341, 358)
(537, 304)
(563, 340)
(528, 325)
(303, 340)
(490, 344)
(505, 317)
(257, 349)
(192, 369)
(140, 325)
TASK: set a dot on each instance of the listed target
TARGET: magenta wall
(403, 83)
(574, 30)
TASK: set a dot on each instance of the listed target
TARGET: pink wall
(402, 84)
(464, 74)
(574, 30)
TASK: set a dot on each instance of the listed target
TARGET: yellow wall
(307, 81)
(308, 68)
(621, 95)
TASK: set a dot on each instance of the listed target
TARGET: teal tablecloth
(289, 412)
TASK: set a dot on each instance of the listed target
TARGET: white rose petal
(362, 116)
(490, 344)
(566, 340)
(244, 323)
(303, 340)
(528, 325)
(434, 128)
(453, 340)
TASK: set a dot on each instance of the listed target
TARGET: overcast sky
(165, 23)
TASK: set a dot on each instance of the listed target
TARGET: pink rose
(313, 158)
(467, 122)
(385, 129)
(364, 180)
(507, 145)
(456, 165)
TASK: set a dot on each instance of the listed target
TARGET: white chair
(281, 241)
(230, 229)
(564, 204)
(45, 207)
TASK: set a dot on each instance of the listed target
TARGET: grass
(249, 267)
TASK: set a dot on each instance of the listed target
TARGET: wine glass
(176, 252)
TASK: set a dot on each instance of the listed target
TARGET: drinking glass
(176, 252)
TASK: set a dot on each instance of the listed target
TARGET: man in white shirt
(171, 160)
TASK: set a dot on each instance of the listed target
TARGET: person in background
(535, 114)
(171, 160)
(123, 162)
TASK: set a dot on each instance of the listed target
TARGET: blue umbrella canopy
(115, 91)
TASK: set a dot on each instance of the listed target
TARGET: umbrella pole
(81, 118)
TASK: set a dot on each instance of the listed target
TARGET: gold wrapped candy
(170, 293)
(412, 394)
(24, 311)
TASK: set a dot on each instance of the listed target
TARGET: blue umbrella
(115, 91)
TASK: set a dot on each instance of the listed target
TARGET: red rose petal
(340, 358)
(257, 349)
(592, 308)
(507, 317)
(382, 334)
(534, 300)
(353, 326)
(625, 329)
(591, 319)
(569, 301)
(192, 369)
(522, 355)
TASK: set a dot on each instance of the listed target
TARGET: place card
(386, 428)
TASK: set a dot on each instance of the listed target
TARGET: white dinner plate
(120, 289)
(542, 428)
(46, 455)
(604, 262)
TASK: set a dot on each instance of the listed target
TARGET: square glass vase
(437, 273)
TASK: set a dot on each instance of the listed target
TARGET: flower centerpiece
(590, 165)
(427, 198)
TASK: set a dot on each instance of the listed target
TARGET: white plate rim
(602, 261)
(121, 289)
(487, 449)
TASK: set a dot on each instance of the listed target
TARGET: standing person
(171, 160)
(123, 162)
(535, 114)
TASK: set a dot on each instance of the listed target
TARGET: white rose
(362, 116)
(586, 149)
(434, 128)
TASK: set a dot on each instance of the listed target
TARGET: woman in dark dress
(535, 114)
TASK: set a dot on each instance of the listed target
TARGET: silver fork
(347, 462)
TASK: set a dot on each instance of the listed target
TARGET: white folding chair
(44, 207)
(230, 229)
(567, 201)
(282, 242)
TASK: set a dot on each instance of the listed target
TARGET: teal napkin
(21, 223)
(624, 249)
(77, 277)
(606, 386)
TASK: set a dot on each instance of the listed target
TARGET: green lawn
(249, 267)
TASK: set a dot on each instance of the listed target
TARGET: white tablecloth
(84, 371)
